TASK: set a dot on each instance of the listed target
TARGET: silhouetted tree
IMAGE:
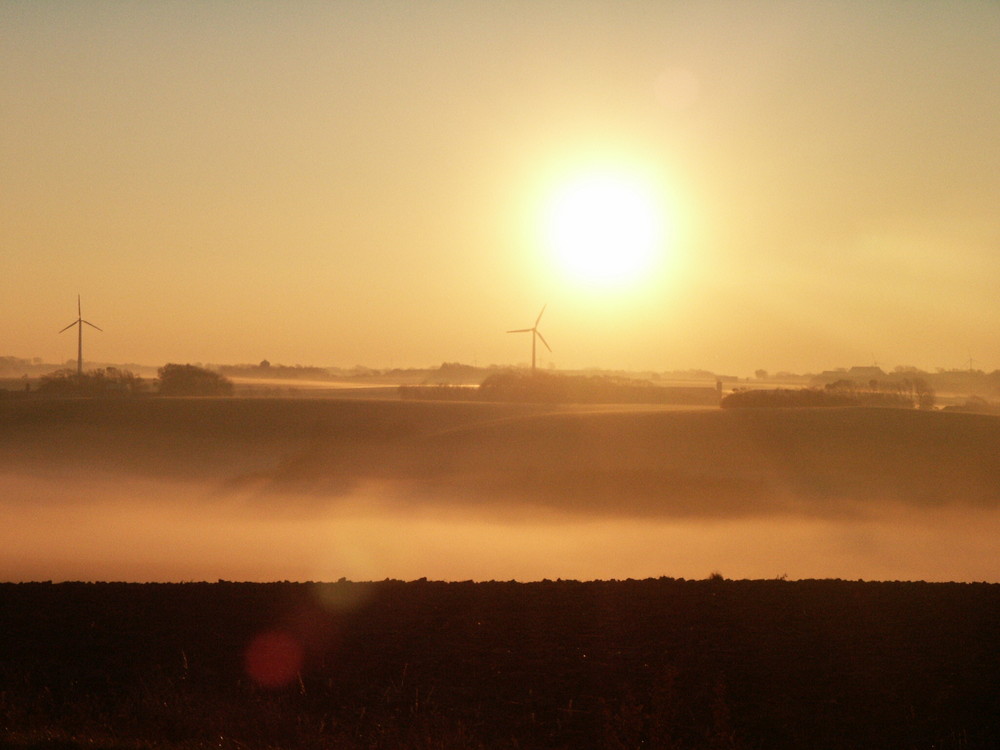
(924, 393)
(105, 381)
(189, 380)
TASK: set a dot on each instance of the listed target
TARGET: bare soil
(553, 664)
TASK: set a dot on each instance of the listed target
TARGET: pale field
(303, 384)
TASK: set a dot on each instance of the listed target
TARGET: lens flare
(274, 659)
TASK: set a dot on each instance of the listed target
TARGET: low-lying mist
(137, 530)
(259, 491)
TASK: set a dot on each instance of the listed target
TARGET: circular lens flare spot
(273, 659)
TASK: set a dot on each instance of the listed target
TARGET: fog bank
(202, 489)
(149, 530)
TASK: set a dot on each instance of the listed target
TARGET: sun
(605, 229)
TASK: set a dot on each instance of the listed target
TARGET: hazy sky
(337, 183)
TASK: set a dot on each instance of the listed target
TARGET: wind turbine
(79, 338)
(535, 334)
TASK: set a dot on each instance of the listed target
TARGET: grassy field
(598, 461)
(657, 663)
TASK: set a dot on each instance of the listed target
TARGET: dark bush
(189, 380)
(838, 395)
(105, 381)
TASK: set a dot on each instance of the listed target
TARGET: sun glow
(605, 229)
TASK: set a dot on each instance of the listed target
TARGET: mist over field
(174, 490)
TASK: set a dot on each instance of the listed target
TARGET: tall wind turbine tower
(79, 336)
(535, 334)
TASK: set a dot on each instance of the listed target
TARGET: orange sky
(364, 182)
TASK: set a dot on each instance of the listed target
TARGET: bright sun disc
(605, 229)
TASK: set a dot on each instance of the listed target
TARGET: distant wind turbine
(79, 338)
(535, 334)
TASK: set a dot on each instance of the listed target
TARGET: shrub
(842, 393)
(189, 380)
(517, 385)
(105, 381)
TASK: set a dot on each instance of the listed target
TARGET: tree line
(172, 380)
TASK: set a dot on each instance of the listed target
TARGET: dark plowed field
(657, 663)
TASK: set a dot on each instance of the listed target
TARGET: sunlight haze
(606, 229)
(366, 183)
(518, 374)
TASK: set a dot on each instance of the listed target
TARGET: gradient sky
(341, 183)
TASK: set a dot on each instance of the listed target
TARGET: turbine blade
(539, 334)
(541, 314)
(69, 326)
(92, 325)
(522, 330)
